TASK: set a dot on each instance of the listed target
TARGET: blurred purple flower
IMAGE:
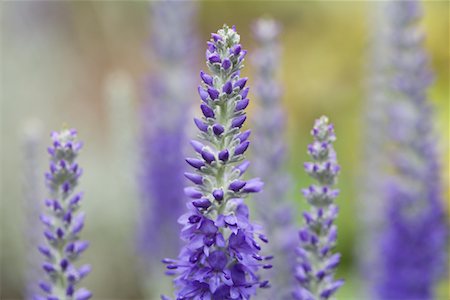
(163, 130)
(63, 222)
(220, 258)
(316, 261)
(273, 210)
(370, 207)
(413, 242)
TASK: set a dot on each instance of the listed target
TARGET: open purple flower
(63, 222)
(316, 261)
(220, 258)
(275, 213)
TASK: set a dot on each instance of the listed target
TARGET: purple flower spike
(316, 266)
(273, 210)
(407, 230)
(162, 135)
(64, 244)
(220, 259)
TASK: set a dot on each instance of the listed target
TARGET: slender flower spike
(163, 132)
(273, 210)
(375, 162)
(412, 249)
(63, 221)
(316, 261)
(220, 258)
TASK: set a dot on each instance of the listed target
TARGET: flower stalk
(316, 261)
(220, 258)
(63, 222)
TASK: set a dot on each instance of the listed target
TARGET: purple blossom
(316, 261)
(220, 258)
(412, 246)
(273, 210)
(63, 221)
(163, 135)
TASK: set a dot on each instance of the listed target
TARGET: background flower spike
(63, 222)
(269, 156)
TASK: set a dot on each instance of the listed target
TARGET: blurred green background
(55, 61)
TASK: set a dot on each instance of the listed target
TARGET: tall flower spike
(63, 222)
(164, 121)
(374, 163)
(316, 261)
(220, 258)
(273, 210)
(412, 250)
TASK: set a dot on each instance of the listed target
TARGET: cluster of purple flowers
(317, 263)
(63, 222)
(220, 258)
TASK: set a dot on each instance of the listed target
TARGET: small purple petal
(207, 111)
(218, 129)
(201, 125)
(241, 148)
(238, 121)
(213, 93)
(242, 104)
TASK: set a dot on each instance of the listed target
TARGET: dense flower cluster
(268, 152)
(413, 244)
(63, 222)
(317, 264)
(220, 258)
(163, 136)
